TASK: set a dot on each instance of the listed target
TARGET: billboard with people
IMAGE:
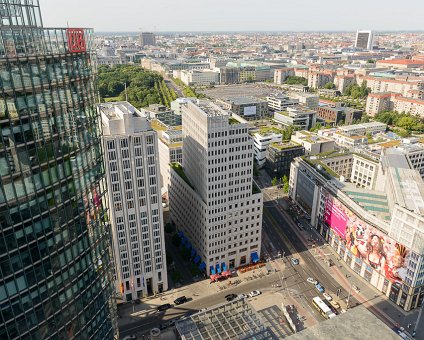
(366, 242)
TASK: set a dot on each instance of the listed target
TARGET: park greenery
(356, 92)
(330, 86)
(403, 123)
(294, 80)
(143, 87)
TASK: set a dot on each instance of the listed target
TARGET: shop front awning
(223, 266)
(226, 273)
(180, 234)
(218, 269)
(254, 256)
(188, 245)
(212, 270)
(202, 266)
(193, 252)
(197, 259)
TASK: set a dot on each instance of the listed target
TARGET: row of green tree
(405, 121)
(294, 80)
(143, 87)
(187, 90)
(284, 182)
(356, 92)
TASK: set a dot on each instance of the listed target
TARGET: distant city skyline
(221, 15)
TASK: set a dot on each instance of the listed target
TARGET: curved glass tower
(55, 257)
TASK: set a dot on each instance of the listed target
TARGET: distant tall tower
(148, 39)
(364, 40)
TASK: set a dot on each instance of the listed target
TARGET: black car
(180, 300)
(230, 297)
(164, 307)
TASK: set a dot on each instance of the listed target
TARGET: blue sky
(234, 15)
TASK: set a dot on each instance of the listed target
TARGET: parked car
(164, 307)
(294, 261)
(180, 300)
(230, 297)
(327, 296)
(255, 293)
(312, 280)
(335, 304)
(243, 296)
(320, 288)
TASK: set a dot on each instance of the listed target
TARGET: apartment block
(213, 200)
(280, 156)
(199, 77)
(309, 100)
(280, 102)
(135, 205)
(313, 143)
(249, 108)
(262, 140)
(297, 117)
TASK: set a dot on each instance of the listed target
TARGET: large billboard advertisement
(249, 110)
(366, 242)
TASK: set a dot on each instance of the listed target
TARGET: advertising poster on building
(366, 242)
(249, 111)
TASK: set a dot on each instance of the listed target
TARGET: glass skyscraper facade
(55, 258)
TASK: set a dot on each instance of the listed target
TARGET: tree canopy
(329, 86)
(293, 80)
(401, 120)
(356, 91)
(143, 87)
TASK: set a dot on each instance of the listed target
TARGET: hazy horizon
(236, 16)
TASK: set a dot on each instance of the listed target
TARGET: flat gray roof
(356, 324)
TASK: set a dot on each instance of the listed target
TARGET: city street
(341, 276)
(282, 240)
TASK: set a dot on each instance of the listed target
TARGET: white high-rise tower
(135, 205)
(213, 200)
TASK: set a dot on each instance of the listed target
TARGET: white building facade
(213, 200)
(135, 206)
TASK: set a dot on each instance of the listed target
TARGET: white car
(254, 293)
(312, 280)
(243, 296)
(327, 296)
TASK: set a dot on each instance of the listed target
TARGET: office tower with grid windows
(364, 40)
(213, 200)
(135, 204)
(55, 243)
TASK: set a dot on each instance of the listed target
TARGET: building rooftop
(244, 100)
(116, 110)
(233, 320)
(372, 201)
(285, 145)
(356, 324)
(407, 184)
